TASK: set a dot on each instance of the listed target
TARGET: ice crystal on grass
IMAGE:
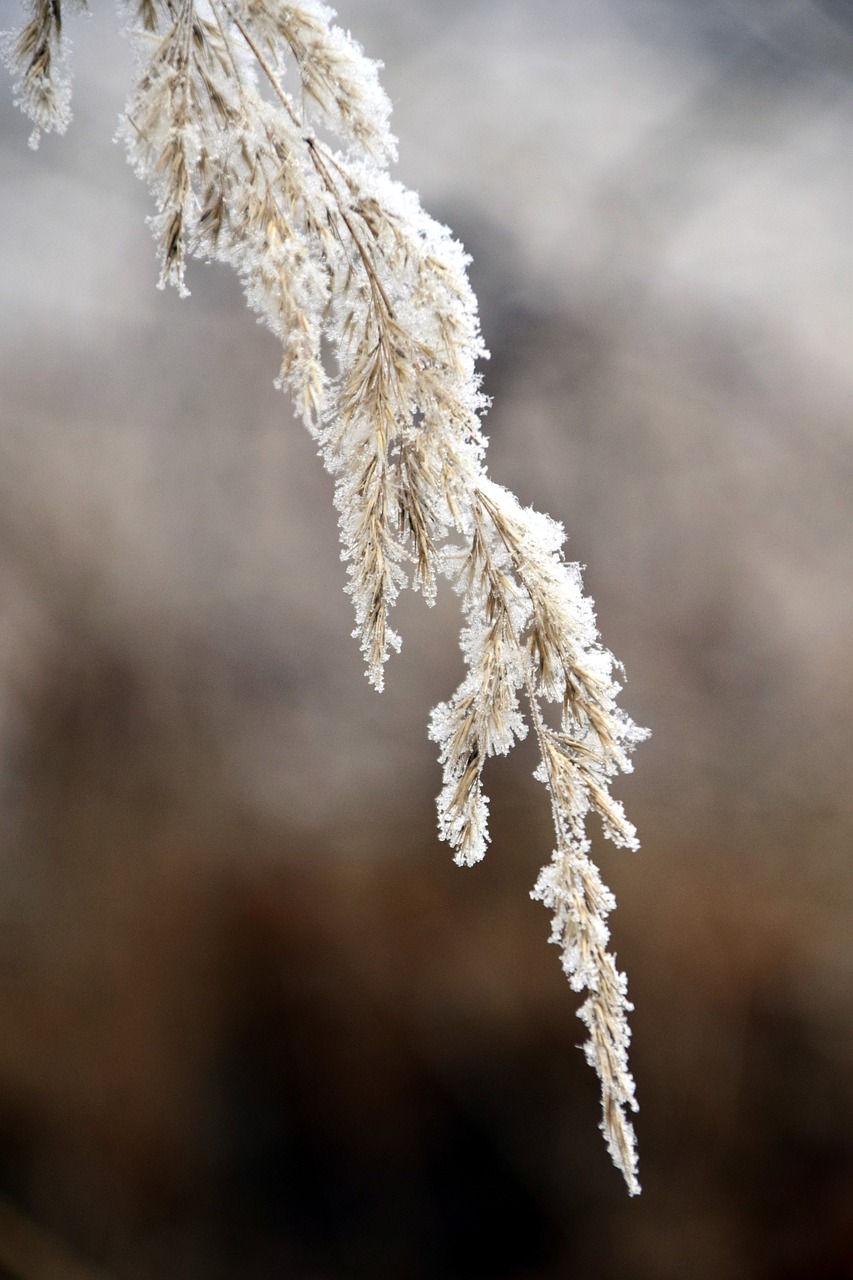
(38, 54)
(262, 130)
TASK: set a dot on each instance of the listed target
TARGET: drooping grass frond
(263, 132)
(37, 54)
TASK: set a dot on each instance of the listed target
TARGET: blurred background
(253, 1022)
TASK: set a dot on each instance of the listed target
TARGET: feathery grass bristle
(231, 122)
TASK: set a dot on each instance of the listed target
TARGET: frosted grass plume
(263, 132)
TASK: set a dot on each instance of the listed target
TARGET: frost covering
(263, 132)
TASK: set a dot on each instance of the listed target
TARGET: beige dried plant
(263, 131)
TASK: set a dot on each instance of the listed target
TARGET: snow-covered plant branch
(263, 133)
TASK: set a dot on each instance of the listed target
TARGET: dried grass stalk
(263, 132)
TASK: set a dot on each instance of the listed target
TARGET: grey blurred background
(253, 1023)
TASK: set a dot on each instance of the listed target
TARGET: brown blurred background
(253, 1023)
